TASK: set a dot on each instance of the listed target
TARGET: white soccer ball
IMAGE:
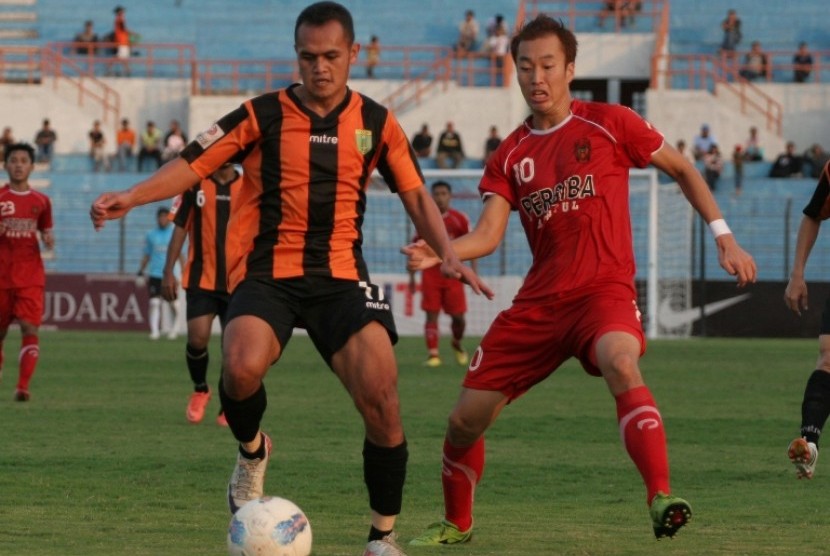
(269, 526)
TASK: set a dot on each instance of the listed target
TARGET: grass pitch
(102, 460)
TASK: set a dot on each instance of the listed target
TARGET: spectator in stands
(703, 142)
(150, 142)
(787, 165)
(97, 144)
(731, 34)
(174, 141)
(498, 46)
(738, 165)
(621, 10)
(494, 23)
(121, 37)
(125, 144)
(85, 40)
(492, 143)
(712, 166)
(422, 142)
(449, 153)
(45, 141)
(752, 150)
(372, 56)
(467, 34)
(815, 158)
(755, 63)
(6, 139)
(802, 64)
(681, 148)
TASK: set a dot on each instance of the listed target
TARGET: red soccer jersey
(570, 186)
(457, 225)
(23, 215)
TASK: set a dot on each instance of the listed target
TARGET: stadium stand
(766, 215)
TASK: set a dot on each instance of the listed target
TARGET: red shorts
(528, 342)
(24, 304)
(440, 293)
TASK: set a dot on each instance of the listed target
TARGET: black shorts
(154, 286)
(331, 310)
(205, 302)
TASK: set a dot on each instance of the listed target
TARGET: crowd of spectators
(151, 148)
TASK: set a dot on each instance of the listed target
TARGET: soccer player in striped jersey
(25, 214)
(201, 216)
(294, 251)
(565, 170)
(815, 405)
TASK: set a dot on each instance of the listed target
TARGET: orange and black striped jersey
(204, 211)
(304, 182)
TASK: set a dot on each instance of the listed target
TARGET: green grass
(102, 461)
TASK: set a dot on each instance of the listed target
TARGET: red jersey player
(565, 170)
(23, 214)
(439, 292)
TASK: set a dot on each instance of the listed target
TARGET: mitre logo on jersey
(582, 150)
(210, 136)
(562, 197)
(364, 140)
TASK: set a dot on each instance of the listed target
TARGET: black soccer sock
(384, 471)
(816, 406)
(377, 534)
(244, 416)
(197, 365)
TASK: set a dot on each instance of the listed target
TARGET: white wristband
(719, 227)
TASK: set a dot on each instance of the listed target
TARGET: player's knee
(462, 430)
(380, 408)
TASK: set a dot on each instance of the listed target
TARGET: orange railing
(147, 60)
(88, 87)
(780, 66)
(19, 64)
(705, 72)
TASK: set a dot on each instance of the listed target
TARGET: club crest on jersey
(209, 136)
(364, 140)
(582, 150)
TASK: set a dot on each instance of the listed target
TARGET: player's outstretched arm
(731, 256)
(430, 226)
(168, 181)
(795, 295)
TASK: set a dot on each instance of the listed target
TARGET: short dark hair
(541, 26)
(441, 183)
(320, 13)
(19, 147)
(162, 210)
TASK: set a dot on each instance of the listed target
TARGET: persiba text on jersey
(20, 227)
(540, 202)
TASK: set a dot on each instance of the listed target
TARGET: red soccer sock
(431, 337)
(463, 467)
(644, 437)
(29, 352)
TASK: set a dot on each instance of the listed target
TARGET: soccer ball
(269, 526)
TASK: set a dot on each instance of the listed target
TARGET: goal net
(661, 224)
